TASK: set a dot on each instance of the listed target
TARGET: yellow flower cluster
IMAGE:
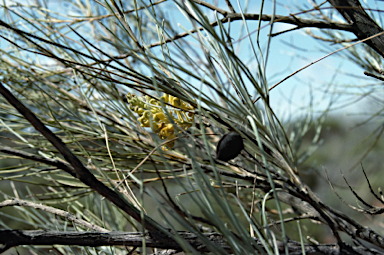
(152, 115)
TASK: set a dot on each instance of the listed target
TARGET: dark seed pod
(229, 146)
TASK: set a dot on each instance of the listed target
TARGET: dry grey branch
(67, 215)
(11, 238)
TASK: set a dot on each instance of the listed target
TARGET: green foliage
(142, 104)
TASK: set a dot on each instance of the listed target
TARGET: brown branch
(358, 197)
(210, 6)
(369, 185)
(230, 6)
(228, 16)
(363, 25)
(299, 22)
(334, 41)
(78, 170)
(372, 211)
(374, 76)
(12, 238)
(292, 19)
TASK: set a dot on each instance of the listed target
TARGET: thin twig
(354, 192)
(49, 209)
(314, 62)
(230, 7)
(374, 76)
(370, 187)
(302, 23)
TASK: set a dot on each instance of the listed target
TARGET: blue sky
(289, 52)
(317, 84)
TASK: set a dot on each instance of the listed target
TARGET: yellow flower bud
(139, 110)
(152, 115)
(176, 101)
(157, 127)
(144, 119)
(165, 98)
(160, 116)
(167, 131)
